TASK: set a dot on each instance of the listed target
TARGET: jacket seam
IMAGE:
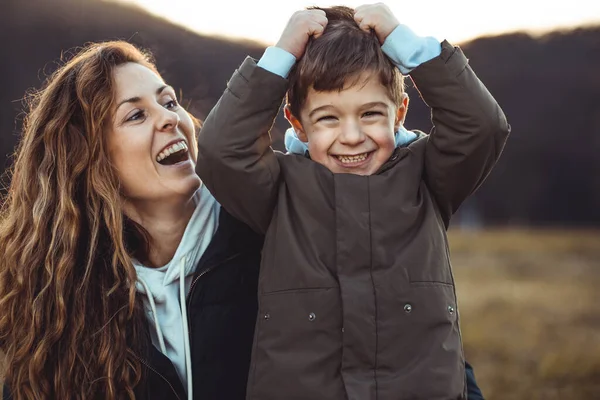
(430, 283)
(301, 290)
(462, 348)
(375, 367)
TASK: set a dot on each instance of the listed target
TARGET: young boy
(356, 294)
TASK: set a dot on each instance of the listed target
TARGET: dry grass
(530, 312)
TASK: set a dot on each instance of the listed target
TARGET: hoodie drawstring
(161, 339)
(186, 336)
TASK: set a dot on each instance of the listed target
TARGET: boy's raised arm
(469, 130)
(235, 158)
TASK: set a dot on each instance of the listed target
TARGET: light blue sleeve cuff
(408, 51)
(277, 61)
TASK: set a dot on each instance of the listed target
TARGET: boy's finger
(358, 17)
(362, 19)
(321, 19)
(360, 9)
(317, 12)
(366, 24)
(317, 23)
(316, 29)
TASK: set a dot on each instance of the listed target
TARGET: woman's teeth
(174, 148)
(353, 159)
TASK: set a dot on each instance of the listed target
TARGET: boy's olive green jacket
(356, 293)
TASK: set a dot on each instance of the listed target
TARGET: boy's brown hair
(338, 57)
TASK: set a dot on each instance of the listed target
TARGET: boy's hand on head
(377, 17)
(301, 26)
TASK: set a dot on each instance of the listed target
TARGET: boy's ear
(401, 113)
(296, 124)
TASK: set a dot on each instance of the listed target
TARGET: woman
(103, 217)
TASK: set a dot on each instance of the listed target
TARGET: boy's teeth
(352, 159)
(174, 148)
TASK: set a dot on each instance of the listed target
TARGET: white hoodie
(166, 308)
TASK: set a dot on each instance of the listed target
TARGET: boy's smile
(353, 160)
(352, 130)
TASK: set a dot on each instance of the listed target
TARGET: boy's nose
(351, 134)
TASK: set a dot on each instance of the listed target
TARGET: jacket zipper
(189, 296)
(206, 271)
(193, 285)
(159, 374)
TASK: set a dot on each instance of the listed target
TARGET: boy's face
(350, 131)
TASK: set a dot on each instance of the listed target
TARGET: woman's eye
(137, 116)
(171, 104)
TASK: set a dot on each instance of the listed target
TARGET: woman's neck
(165, 225)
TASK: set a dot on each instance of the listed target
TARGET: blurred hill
(548, 86)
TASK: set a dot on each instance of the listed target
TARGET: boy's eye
(327, 118)
(371, 113)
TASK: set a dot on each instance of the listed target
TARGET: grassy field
(530, 312)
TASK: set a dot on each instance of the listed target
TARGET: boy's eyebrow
(374, 104)
(321, 108)
(366, 105)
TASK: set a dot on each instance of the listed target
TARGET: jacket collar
(231, 239)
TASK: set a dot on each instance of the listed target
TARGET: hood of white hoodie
(166, 314)
(196, 237)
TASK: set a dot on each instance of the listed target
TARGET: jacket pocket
(420, 349)
(297, 350)
(429, 262)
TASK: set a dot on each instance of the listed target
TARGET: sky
(454, 20)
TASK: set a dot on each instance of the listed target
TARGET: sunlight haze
(455, 21)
